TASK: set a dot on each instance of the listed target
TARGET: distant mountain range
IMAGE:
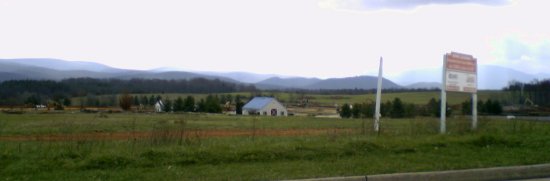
(54, 69)
(287, 83)
(244, 77)
(63, 65)
(359, 82)
(424, 85)
(490, 76)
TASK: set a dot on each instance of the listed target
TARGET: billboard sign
(460, 73)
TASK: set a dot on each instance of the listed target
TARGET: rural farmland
(228, 90)
(122, 146)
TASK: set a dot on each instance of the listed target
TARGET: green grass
(408, 97)
(61, 123)
(405, 145)
(420, 98)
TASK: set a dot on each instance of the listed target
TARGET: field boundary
(494, 173)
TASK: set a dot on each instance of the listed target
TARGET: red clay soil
(174, 134)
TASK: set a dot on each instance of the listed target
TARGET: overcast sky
(314, 38)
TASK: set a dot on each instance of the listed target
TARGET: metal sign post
(474, 111)
(459, 75)
(377, 114)
(443, 108)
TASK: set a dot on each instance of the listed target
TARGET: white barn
(266, 106)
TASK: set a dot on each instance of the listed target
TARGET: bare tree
(125, 101)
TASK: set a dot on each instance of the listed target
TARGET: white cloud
(275, 36)
(400, 4)
(523, 53)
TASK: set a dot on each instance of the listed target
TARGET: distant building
(40, 106)
(159, 106)
(266, 106)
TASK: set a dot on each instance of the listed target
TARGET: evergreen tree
(179, 105)
(492, 107)
(481, 108)
(189, 104)
(489, 106)
(33, 100)
(152, 100)
(239, 107)
(434, 106)
(212, 104)
(144, 101)
(385, 109)
(410, 110)
(345, 111)
(497, 108)
(368, 110)
(67, 102)
(136, 100)
(167, 105)
(398, 110)
(467, 107)
(201, 106)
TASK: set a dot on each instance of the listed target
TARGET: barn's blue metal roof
(258, 103)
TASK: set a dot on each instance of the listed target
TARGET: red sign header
(461, 62)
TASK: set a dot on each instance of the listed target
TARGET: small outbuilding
(159, 106)
(265, 106)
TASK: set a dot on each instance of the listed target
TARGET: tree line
(535, 92)
(489, 107)
(400, 109)
(355, 91)
(211, 104)
(18, 92)
(393, 109)
(188, 104)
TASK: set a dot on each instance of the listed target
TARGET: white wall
(281, 110)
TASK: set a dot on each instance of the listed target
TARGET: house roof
(159, 102)
(258, 103)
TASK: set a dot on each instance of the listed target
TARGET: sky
(311, 38)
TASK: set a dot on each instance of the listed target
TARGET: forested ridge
(536, 92)
(16, 92)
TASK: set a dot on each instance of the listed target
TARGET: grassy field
(408, 97)
(31, 124)
(331, 100)
(341, 147)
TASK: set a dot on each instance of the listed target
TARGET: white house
(266, 106)
(159, 106)
(40, 106)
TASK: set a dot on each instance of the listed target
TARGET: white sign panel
(460, 72)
